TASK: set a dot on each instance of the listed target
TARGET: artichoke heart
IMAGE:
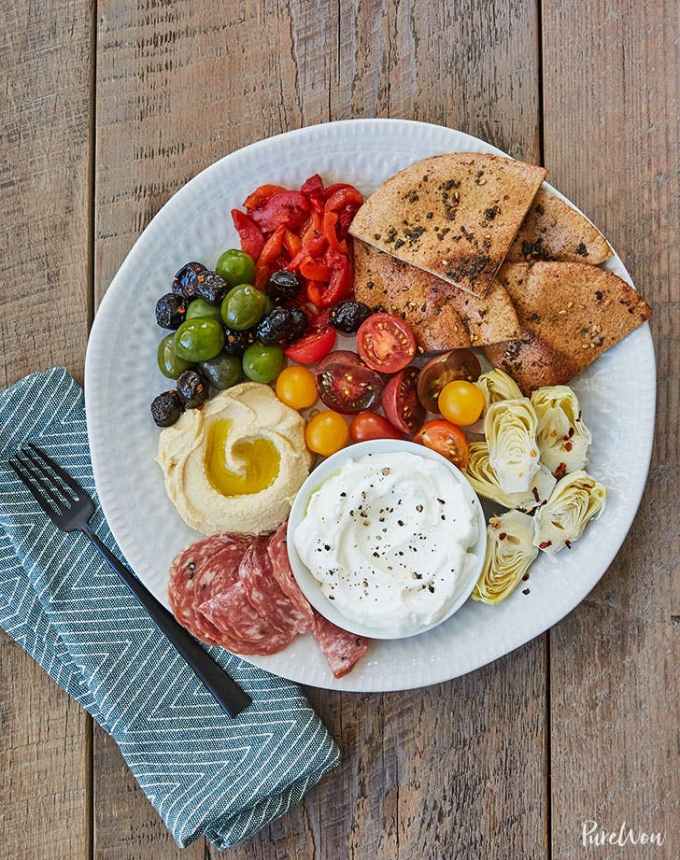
(496, 385)
(575, 501)
(510, 428)
(509, 553)
(563, 438)
(485, 483)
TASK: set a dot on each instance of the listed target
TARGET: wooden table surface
(107, 109)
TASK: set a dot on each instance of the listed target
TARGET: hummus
(236, 464)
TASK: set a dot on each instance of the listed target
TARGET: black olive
(166, 408)
(185, 282)
(282, 325)
(170, 311)
(193, 389)
(283, 286)
(211, 287)
(237, 342)
(348, 316)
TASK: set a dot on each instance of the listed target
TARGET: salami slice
(183, 573)
(240, 626)
(198, 572)
(341, 648)
(282, 573)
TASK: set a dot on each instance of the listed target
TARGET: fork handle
(224, 689)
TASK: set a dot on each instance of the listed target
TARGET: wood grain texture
(44, 298)
(612, 137)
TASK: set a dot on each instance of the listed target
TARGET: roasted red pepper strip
(269, 256)
(340, 285)
(312, 188)
(292, 244)
(330, 221)
(315, 271)
(287, 208)
(252, 240)
(313, 228)
(315, 291)
(261, 195)
(336, 186)
(347, 196)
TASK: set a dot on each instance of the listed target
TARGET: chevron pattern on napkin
(204, 773)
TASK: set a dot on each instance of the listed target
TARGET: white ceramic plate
(617, 394)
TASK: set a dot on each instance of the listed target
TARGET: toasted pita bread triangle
(570, 314)
(554, 230)
(454, 215)
(442, 317)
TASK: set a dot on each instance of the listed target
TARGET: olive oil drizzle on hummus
(258, 458)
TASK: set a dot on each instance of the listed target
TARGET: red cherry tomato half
(385, 343)
(287, 208)
(312, 347)
(446, 439)
(252, 240)
(347, 387)
(445, 368)
(368, 425)
(400, 401)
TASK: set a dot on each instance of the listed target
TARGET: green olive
(200, 309)
(199, 339)
(262, 363)
(223, 371)
(236, 267)
(169, 363)
(243, 307)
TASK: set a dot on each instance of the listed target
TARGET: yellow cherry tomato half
(461, 402)
(326, 433)
(296, 387)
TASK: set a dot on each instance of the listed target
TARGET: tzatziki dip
(388, 536)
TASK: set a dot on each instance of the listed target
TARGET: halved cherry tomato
(346, 195)
(252, 240)
(348, 387)
(310, 348)
(326, 433)
(442, 369)
(261, 195)
(330, 221)
(400, 401)
(269, 256)
(368, 425)
(287, 208)
(338, 356)
(385, 343)
(292, 244)
(446, 439)
(461, 402)
(315, 271)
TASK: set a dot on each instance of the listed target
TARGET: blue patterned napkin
(204, 773)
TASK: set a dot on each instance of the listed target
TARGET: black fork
(69, 507)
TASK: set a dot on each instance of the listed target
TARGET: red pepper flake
(560, 471)
(502, 536)
(568, 446)
(545, 544)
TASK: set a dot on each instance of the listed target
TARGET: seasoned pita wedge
(441, 317)
(553, 230)
(570, 314)
(454, 215)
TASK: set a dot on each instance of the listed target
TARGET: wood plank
(457, 770)
(178, 86)
(612, 134)
(44, 271)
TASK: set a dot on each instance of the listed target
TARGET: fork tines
(51, 486)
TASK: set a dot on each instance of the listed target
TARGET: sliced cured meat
(264, 592)
(341, 648)
(198, 572)
(216, 575)
(282, 573)
(183, 573)
(240, 627)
